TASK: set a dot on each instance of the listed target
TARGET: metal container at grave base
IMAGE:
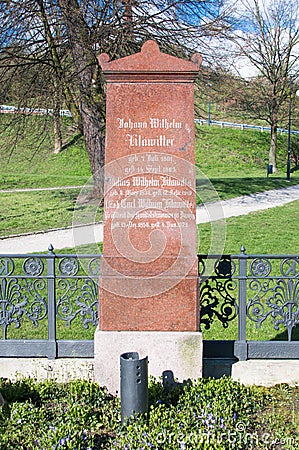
(133, 385)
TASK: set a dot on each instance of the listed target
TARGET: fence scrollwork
(68, 266)
(78, 299)
(217, 298)
(271, 291)
(276, 299)
(21, 298)
(33, 266)
(260, 267)
(217, 302)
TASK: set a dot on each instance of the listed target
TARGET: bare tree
(267, 37)
(62, 38)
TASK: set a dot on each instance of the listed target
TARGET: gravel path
(246, 204)
(70, 237)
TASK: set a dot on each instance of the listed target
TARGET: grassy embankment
(30, 163)
(233, 160)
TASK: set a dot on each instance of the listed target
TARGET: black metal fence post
(241, 345)
(52, 348)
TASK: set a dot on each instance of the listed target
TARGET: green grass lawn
(272, 231)
(28, 212)
(35, 211)
(230, 187)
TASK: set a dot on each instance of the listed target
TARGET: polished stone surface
(149, 271)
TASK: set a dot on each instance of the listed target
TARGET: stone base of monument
(172, 352)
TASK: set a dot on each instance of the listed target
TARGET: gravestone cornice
(150, 65)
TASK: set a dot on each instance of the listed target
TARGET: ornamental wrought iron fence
(257, 296)
(49, 305)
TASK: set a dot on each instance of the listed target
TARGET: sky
(226, 50)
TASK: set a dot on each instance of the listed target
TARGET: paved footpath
(73, 236)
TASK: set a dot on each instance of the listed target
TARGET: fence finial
(51, 248)
(243, 250)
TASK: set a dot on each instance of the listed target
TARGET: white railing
(242, 126)
(13, 109)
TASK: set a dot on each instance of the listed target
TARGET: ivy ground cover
(206, 414)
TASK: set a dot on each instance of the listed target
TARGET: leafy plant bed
(207, 414)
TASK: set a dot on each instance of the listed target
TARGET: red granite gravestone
(149, 279)
(149, 263)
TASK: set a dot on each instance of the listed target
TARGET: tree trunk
(94, 135)
(57, 118)
(91, 98)
(57, 135)
(273, 146)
